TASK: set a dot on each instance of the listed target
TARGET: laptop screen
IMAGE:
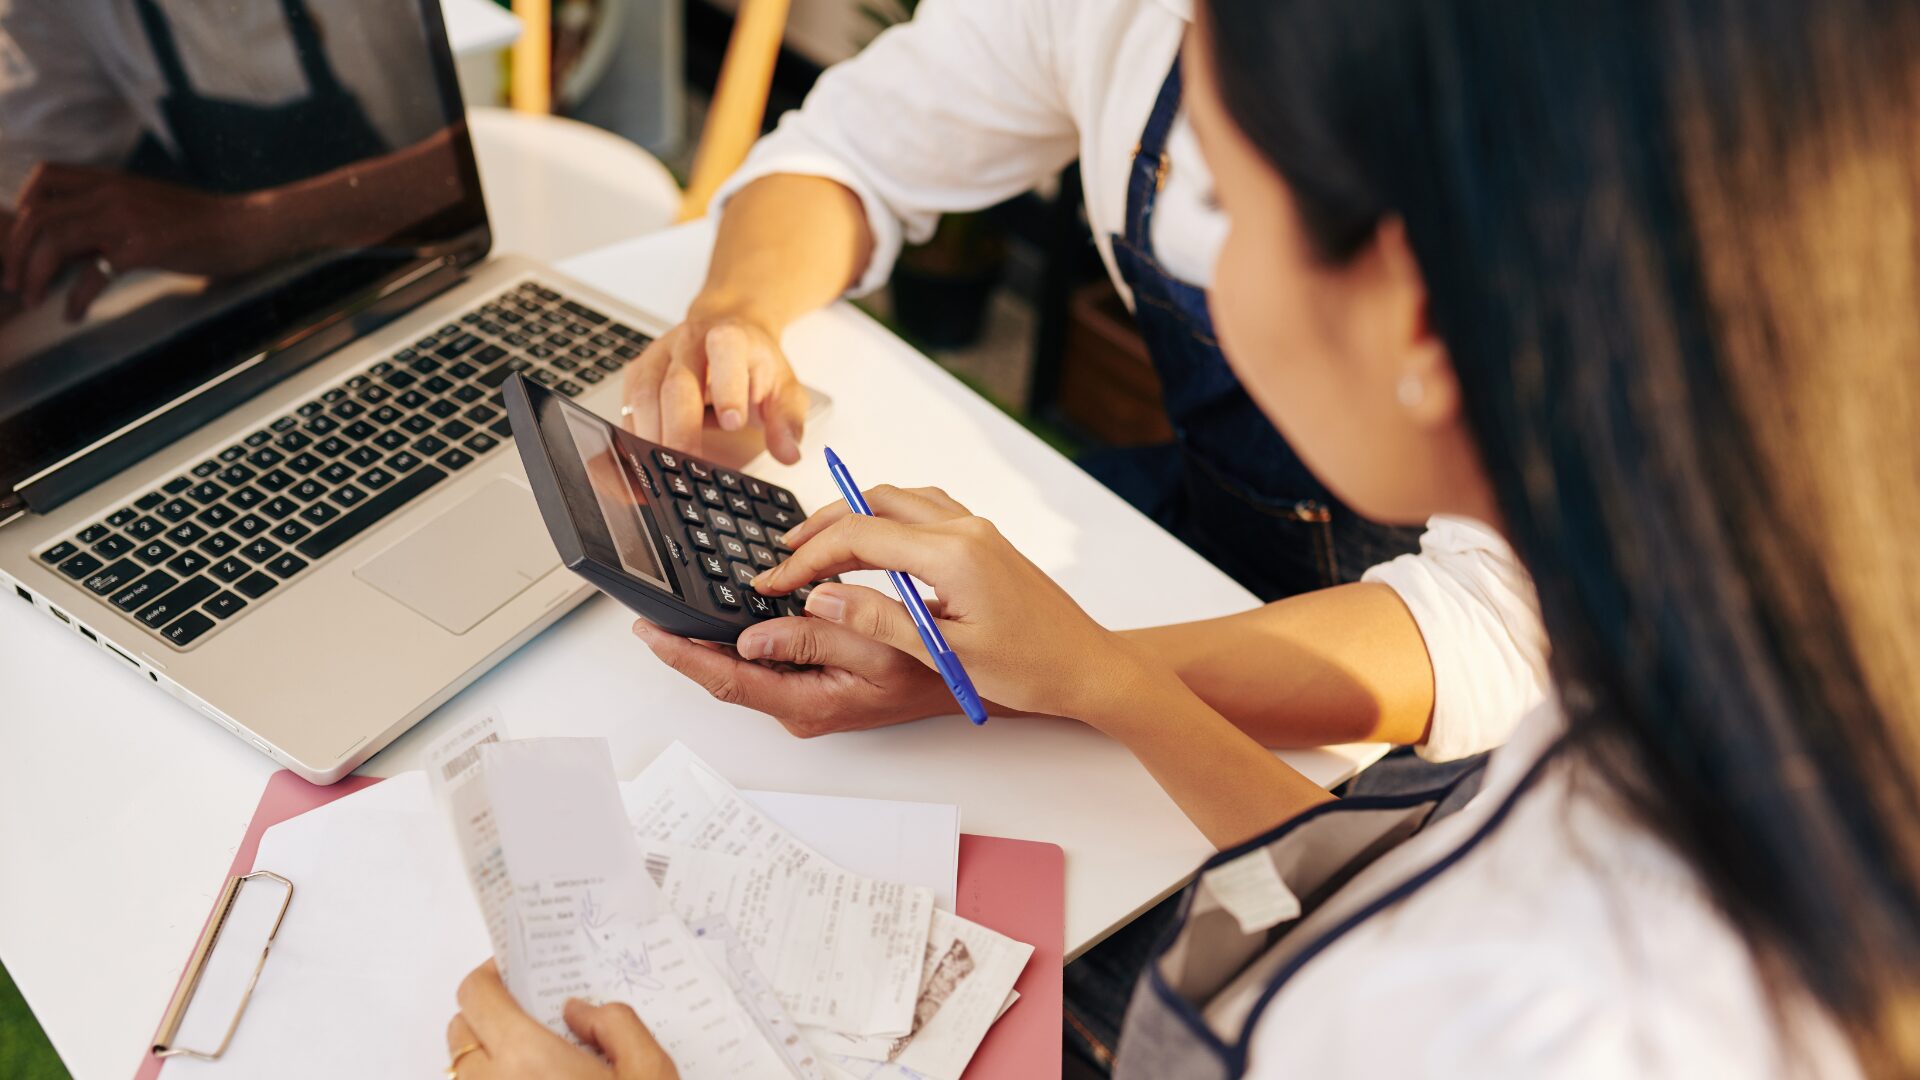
(187, 186)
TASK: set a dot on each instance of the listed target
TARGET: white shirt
(976, 101)
(79, 83)
(1571, 942)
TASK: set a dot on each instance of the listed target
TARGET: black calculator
(676, 539)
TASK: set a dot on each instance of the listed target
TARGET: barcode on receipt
(464, 760)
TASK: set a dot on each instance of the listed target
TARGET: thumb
(618, 1033)
(869, 614)
(818, 643)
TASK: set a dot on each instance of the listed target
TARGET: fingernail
(762, 579)
(753, 647)
(731, 420)
(826, 605)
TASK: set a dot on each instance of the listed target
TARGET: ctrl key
(187, 628)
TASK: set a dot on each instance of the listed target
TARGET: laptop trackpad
(465, 564)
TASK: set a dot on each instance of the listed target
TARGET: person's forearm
(787, 245)
(1227, 784)
(1345, 664)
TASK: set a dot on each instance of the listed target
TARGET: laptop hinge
(11, 506)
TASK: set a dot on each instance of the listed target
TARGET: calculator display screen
(620, 495)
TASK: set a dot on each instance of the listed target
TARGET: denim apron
(229, 147)
(1315, 854)
(1244, 499)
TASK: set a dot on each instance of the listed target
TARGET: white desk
(120, 808)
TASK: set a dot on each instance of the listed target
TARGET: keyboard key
(583, 312)
(544, 377)
(589, 376)
(177, 485)
(456, 459)
(206, 468)
(750, 530)
(187, 629)
(218, 514)
(120, 518)
(256, 585)
(309, 408)
(464, 370)
(763, 556)
(336, 473)
(363, 456)
(387, 416)
(320, 513)
(722, 522)
(265, 458)
(761, 607)
(93, 534)
(347, 410)
(481, 443)
(702, 539)
(113, 547)
(429, 445)
(308, 490)
(144, 591)
(59, 552)
(304, 464)
(467, 395)
(323, 425)
(295, 441)
(370, 512)
(248, 526)
(439, 384)
(175, 509)
(225, 606)
(374, 395)
(258, 438)
(284, 423)
(360, 431)
(80, 566)
(277, 480)
(402, 462)
(150, 500)
(279, 507)
(743, 574)
(261, 550)
(287, 565)
(154, 552)
(726, 595)
(187, 534)
(333, 446)
(402, 379)
(235, 475)
(246, 498)
(219, 544)
(390, 440)
(734, 548)
(114, 577)
(571, 388)
(288, 532)
(442, 409)
(349, 496)
(231, 569)
(375, 478)
(145, 528)
(188, 562)
(502, 427)
(168, 607)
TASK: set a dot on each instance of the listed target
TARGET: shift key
(169, 607)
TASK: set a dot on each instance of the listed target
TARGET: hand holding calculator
(676, 539)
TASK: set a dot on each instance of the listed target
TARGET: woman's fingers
(729, 361)
(783, 414)
(642, 388)
(857, 542)
(683, 405)
(619, 1034)
(85, 290)
(488, 1008)
(914, 506)
(719, 671)
(823, 643)
(460, 1035)
(869, 614)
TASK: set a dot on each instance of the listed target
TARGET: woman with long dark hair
(1640, 284)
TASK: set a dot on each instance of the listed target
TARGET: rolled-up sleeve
(957, 110)
(1475, 605)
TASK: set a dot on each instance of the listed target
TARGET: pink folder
(1014, 886)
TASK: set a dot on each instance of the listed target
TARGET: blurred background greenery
(25, 1053)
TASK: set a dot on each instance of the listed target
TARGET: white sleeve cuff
(1476, 608)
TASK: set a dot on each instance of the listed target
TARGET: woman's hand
(1024, 642)
(723, 356)
(492, 1038)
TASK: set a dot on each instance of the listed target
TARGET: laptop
(252, 439)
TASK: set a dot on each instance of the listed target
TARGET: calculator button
(113, 577)
(702, 539)
(80, 566)
(757, 490)
(761, 607)
(778, 539)
(187, 629)
(791, 607)
(722, 522)
(59, 552)
(699, 470)
(728, 479)
(690, 513)
(732, 546)
(750, 530)
(679, 486)
(740, 505)
(778, 518)
(113, 547)
(743, 574)
(710, 494)
(763, 556)
(715, 566)
(226, 605)
(668, 460)
(726, 595)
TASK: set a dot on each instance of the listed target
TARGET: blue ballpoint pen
(947, 664)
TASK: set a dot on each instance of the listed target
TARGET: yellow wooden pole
(531, 89)
(739, 101)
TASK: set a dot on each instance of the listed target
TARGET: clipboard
(1016, 887)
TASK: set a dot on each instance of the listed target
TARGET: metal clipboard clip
(176, 1013)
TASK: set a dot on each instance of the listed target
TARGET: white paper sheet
(912, 842)
(842, 951)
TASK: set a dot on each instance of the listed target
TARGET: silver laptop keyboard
(191, 556)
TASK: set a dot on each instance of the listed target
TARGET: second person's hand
(722, 356)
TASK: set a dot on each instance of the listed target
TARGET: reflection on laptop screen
(185, 183)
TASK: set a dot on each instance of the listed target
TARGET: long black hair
(1674, 251)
